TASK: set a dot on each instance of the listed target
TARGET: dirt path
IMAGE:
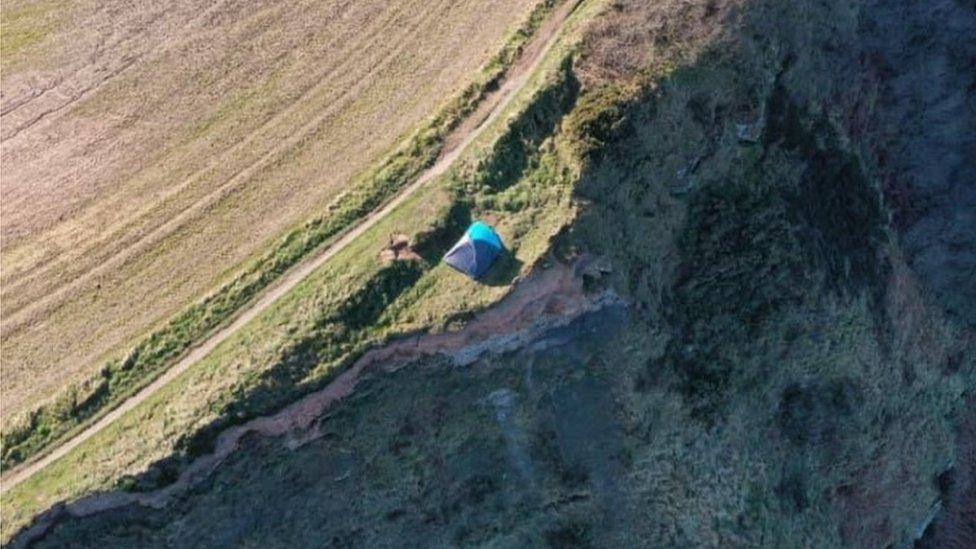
(494, 104)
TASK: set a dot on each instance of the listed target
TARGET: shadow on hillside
(503, 271)
(514, 151)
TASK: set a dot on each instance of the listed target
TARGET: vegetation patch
(742, 264)
(514, 152)
(836, 208)
(812, 415)
(800, 218)
(752, 303)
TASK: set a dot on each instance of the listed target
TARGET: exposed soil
(398, 250)
(545, 299)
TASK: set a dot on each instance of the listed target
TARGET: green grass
(23, 27)
(120, 378)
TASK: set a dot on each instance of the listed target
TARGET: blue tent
(476, 251)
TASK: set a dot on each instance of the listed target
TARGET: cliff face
(782, 195)
(794, 210)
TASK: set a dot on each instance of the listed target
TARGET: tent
(476, 251)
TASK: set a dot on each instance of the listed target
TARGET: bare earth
(149, 149)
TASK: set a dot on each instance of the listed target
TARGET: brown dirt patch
(398, 249)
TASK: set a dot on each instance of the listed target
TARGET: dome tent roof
(475, 251)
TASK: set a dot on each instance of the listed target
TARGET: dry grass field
(149, 149)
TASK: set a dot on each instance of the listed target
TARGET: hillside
(149, 151)
(735, 310)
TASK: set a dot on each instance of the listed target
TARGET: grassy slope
(119, 378)
(297, 345)
(221, 136)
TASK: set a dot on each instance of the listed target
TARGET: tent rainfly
(476, 251)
